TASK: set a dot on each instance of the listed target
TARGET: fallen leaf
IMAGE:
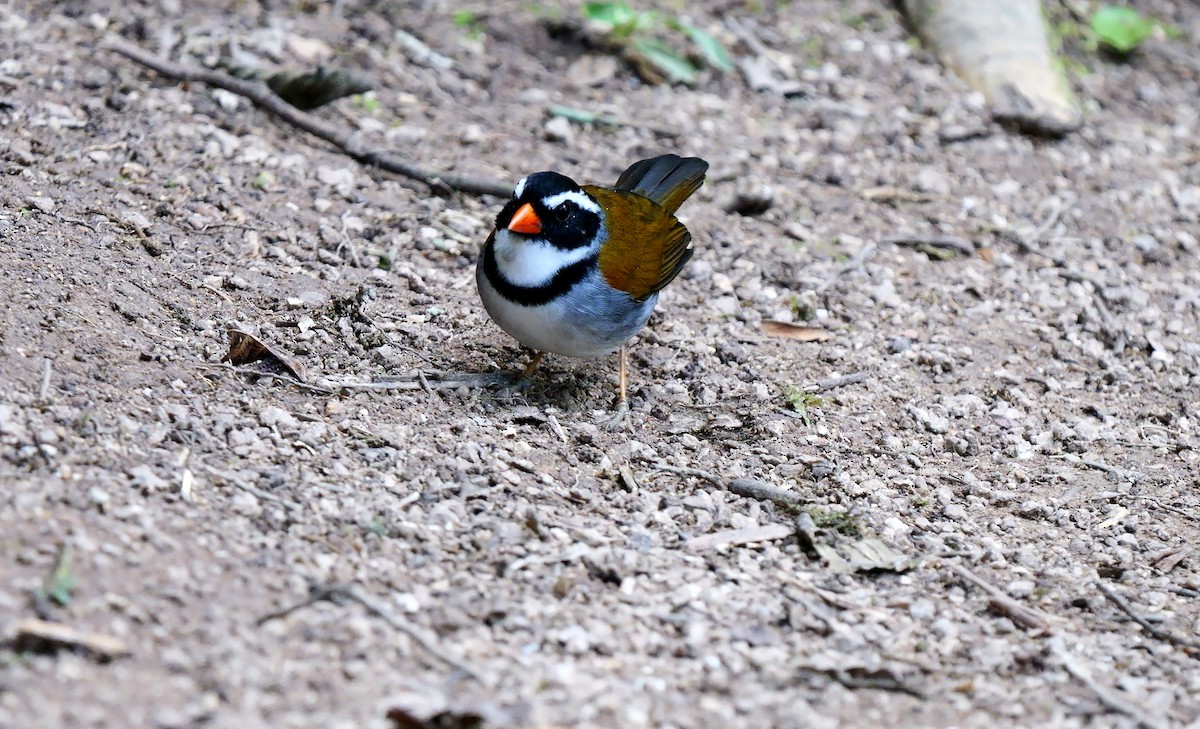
(865, 555)
(1169, 558)
(245, 348)
(796, 331)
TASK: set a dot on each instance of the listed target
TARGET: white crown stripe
(520, 189)
(576, 196)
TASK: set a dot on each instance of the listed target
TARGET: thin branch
(341, 594)
(235, 480)
(434, 381)
(281, 378)
(855, 264)
(1020, 614)
(693, 472)
(226, 367)
(747, 487)
(1028, 244)
(832, 383)
(949, 242)
(258, 93)
(557, 428)
(1147, 626)
(44, 391)
(855, 679)
(1113, 496)
(1106, 696)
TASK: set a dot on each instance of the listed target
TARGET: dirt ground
(1024, 426)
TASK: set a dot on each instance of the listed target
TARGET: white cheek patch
(531, 262)
(579, 198)
(520, 188)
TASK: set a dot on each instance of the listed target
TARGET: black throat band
(562, 282)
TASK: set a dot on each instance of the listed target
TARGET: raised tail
(667, 179)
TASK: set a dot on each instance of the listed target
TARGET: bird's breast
(589, 320)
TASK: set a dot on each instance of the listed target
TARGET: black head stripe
(562, 282)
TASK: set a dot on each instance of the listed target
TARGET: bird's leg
(620, 418)
(623, 356)
(526, 378)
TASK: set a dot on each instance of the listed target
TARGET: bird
(576, 270)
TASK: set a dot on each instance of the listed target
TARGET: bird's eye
(562, 212)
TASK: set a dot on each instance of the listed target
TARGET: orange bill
(525, 221)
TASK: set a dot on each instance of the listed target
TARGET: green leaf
(580, 116)
(610, 13)
(263, 180)
(57, 585)
(463, 18)
(801, 401)
(710, 47)
(1122, 29)
(674, 66)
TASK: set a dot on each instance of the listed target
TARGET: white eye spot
(520, 188)
(576, 196)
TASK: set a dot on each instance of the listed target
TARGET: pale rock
(559, 130)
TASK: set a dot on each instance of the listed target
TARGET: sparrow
(576, 269)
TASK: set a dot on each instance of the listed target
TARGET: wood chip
(33, 633)
(798, 332)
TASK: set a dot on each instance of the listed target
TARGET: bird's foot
(519, 382)
(620, 419)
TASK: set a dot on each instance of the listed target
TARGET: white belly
(591, 320)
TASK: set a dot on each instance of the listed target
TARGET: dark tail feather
(667, 180)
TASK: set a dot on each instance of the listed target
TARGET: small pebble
(559, 130)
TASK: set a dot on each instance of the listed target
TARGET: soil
(1023, 432)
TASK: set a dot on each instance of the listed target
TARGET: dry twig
(832, 383)
(1106, 697)
(237, 481)
(271, 376)
(1020, 614)
(341, 594)
(748, 487)
(45, 389)
(435, 381)
(1027, 244)
(854, 264)
(1157, 632)
(557, 428)
(949, 242)
(32, 632)
(258, 93)
(1114, 496)
(854, 679)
